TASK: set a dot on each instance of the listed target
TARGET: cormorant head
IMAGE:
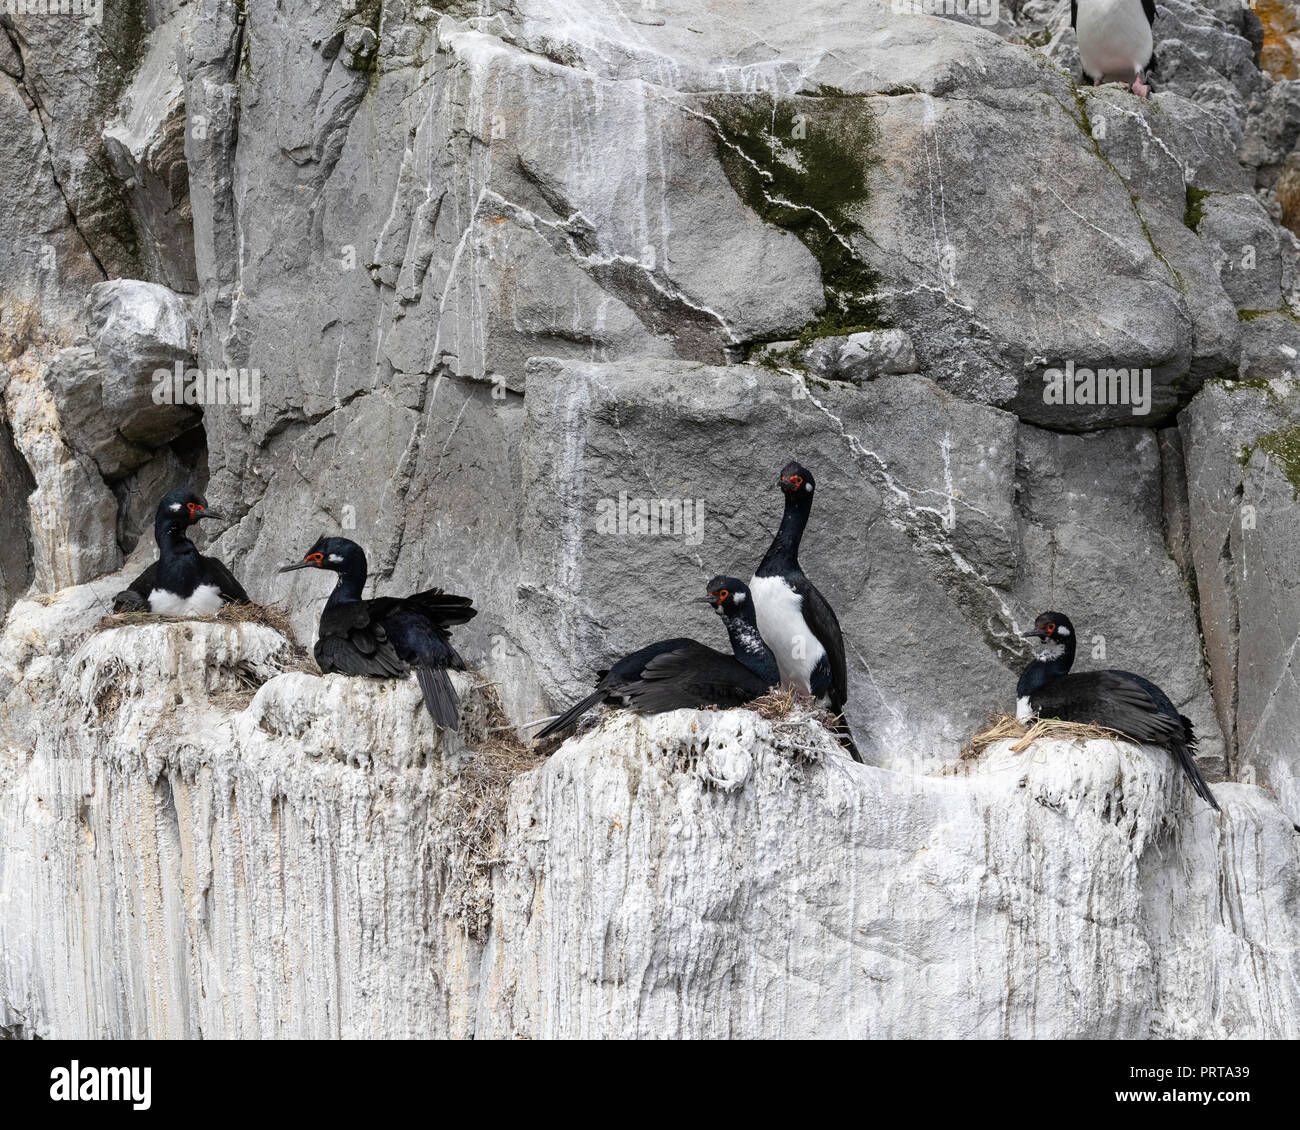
(182, 507)
(334, 554)
(797, 481)
(727, 595)
(1053, 629)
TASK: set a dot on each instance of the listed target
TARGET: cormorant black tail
(570, 716)
(1188, 762)
(440, 696)
(846, 739)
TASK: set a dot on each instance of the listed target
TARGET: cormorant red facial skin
(1117, 700)
(682, 673)
(795, 619)
(182, 581)
(387, 636)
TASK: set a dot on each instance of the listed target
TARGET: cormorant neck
(747, 644)
(1050, 665)
(169, 533)
(352, 580)
(784, 550)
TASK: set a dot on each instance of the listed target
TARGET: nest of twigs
(1003, 727)
(477, 805)
(781, 703)
(271, 615)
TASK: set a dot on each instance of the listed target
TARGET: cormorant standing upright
(796, 621)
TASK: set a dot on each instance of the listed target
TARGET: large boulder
(71, 514)
(1242, 446)
(1248, 259)
(116, 394)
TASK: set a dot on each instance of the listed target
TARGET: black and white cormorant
(1115, 40)
(683, 673)
(1117, 700)
(387, 636)
(794, 618)
(182, 581)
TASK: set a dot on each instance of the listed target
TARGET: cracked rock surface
(492, 273)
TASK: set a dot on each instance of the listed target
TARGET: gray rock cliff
(461, 281)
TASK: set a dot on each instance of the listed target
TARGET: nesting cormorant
(182, 581)
(683, 673)
(387, 636)
(1117, 700)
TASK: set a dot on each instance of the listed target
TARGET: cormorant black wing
(1129, 704)
(825, 626)
(135, 597)
(820, 617)
(1163, 702)
(613, 684)
(630, 668)
(232, 592)
(416, 637)
(692, 677)
(1113, 699)
(1183, 747)
(351, 642)
(1074, 14)
(444, 608)
(1149, 8)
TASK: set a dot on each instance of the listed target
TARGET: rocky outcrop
(1243, 447)
(942, 518)
(116, 396)
(202, 846)
(146, 146)
(533, 299)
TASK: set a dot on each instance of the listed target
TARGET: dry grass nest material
(782, 704)
(477, 805)
(272, 615)
(1003, 727)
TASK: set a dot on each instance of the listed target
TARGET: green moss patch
(1194, 213)
(1251, 315)
(1283, 448)
(803, 164)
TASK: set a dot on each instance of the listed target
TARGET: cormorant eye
(796, 481)
(1050, 628)
(723, 594)
(315, 558)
